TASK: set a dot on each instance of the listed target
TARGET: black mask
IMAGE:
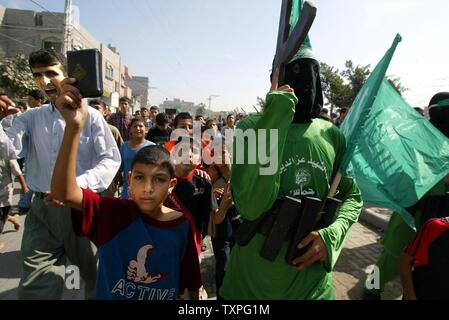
(303, 75)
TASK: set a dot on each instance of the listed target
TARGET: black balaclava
(439, 112)
(303, 75)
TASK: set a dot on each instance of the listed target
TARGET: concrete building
(179, 105)
(25, 31)
(139, 87)
(111, 73)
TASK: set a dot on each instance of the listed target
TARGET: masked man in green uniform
(309, 152)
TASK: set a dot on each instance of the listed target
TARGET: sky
(196, 49)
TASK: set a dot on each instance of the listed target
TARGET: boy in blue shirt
(146, 250)
(130, 148)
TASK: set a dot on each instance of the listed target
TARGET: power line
(146, 14)
(79, 32)
(76, 29)
(17, 40)
(429, 81)
(163, 25)
(429, 86)
(165, 30)
(63, 22)
(39, 5)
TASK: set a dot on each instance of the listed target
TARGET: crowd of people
(129, 198)
(108, 148)
(107, 190)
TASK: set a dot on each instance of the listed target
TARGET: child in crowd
(183, 125)
(130, 148)
(182, 121)
(146, 250)
(193, 193)
(160, 133)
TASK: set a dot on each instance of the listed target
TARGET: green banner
(396, 155)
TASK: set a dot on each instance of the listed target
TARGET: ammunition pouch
(289, 220)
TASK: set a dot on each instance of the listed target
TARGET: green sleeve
(334, 236)
(254, 193)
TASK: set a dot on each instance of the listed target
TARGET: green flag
(396, 155)
(305, 51)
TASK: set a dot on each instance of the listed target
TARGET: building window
(38, 20)
(110, 72)
(57, 46)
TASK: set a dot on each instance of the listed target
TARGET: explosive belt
(289, 220)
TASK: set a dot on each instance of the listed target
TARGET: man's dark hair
(37, 94)
(154, 108)
(154, 155)
(136, 119)
(198, 116)
(181, 116)
(161, 119)
(143, 109)
(230, 115)
(22, 104)
(124, 99)
(46, 58)
(210, 121)
(96, 101)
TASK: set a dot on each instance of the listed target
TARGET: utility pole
(67, 26)
(210, 99)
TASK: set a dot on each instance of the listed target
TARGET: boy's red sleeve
(418, 248)
(190, 273)
(102, 217)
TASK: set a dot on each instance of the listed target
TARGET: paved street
(361, 250)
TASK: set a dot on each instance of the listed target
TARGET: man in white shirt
(48, 237)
